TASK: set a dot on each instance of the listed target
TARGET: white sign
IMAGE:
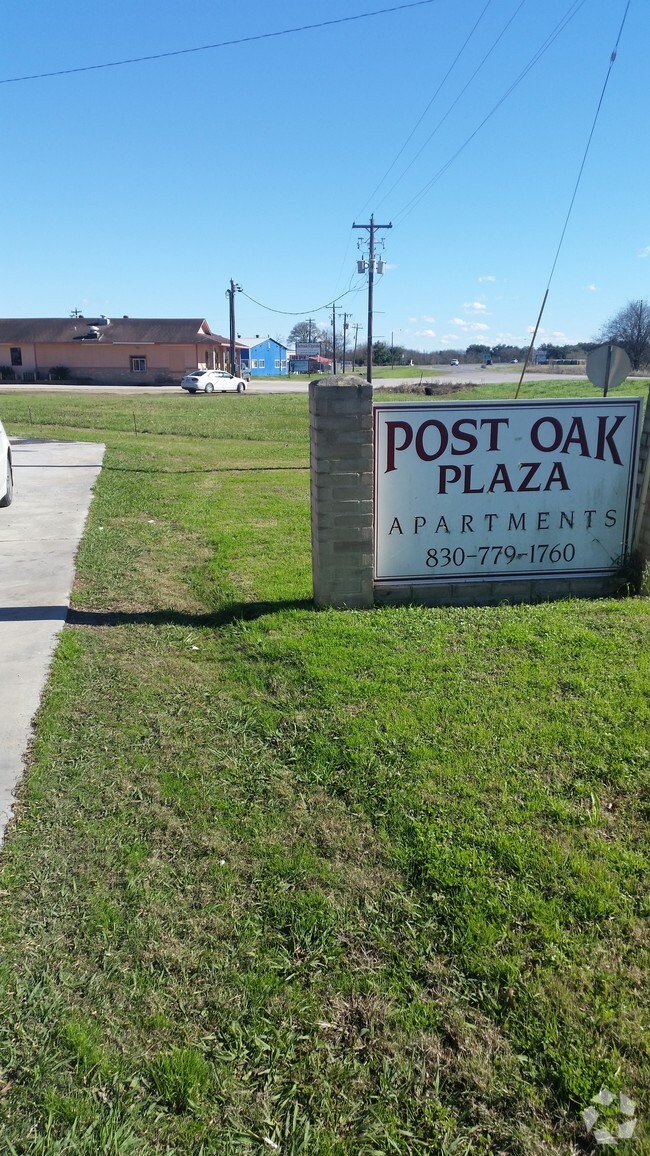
(486, 490)
(307, 349)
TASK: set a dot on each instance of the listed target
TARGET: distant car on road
(6, 470)
(213, 381)
(454, 361)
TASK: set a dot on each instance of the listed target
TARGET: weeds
(335, 882)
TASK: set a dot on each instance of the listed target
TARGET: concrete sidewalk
(39, 536)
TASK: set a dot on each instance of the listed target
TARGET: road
(457, 375)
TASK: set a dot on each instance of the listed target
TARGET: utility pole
(345, 330)
(310, 322)
(372, 228)
(230, 293)
(334, 335)
(357, 327)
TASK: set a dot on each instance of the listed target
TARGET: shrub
(59, 373)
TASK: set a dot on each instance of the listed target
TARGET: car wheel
(240, 387)
(209, 387)
(9, 496)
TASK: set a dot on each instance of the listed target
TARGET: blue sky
(143, 189)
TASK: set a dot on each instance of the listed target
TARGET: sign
(607, 366)
(307, 348)
(503, 490)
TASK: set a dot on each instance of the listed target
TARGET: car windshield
(197, 373)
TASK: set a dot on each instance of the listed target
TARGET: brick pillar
(340, 430)
(642, 528)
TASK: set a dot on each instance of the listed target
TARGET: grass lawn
(318, 883)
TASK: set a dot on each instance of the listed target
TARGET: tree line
(629, 328)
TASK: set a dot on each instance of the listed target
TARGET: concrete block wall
(495, 593)
(340, 427)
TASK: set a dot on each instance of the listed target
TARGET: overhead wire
(302, 312)
(573, 10)
(424, 113)
(219, 44)
(452, 106)
(612, 59)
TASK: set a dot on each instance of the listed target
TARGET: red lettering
(467, 485)
(576, 436)
(494, 423)
(448, 473)
(607, 437)
(470, 439)
(392, 448)
(535, 432)
(557, 476)
(419, 440)
(532, 468)
(501, 478)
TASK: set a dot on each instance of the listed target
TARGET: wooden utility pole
(357, 327)
(372, 228)
(345, 330)
(230, 293)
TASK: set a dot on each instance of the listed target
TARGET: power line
(302, 312)
(574, 8)
(219, 44)
(424, 113)
(575, 193)
(455, 102)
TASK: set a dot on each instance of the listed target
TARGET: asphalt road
(458, 375)
(39, 537)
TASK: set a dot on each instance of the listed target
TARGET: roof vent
(102, 321)
(93, 333)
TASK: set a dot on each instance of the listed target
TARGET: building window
(138, 365)
(277, 363)
(260, 363)
(16, 356)
(253, 363)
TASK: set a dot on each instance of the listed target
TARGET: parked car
(6, 470)
(454, 361)
(213, 380)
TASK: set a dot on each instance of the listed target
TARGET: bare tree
(306, 331)
(631, 329)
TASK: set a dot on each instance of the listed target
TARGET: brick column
(340, 430)
(642, 527)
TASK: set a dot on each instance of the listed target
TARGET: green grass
(529, 390)
(424, 372)
(344, 882)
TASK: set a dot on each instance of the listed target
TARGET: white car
(454, 361)
(6, 470)
(213, 380)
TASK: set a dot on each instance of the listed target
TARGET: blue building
(263, 357)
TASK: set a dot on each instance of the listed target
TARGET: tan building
(101, 349)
